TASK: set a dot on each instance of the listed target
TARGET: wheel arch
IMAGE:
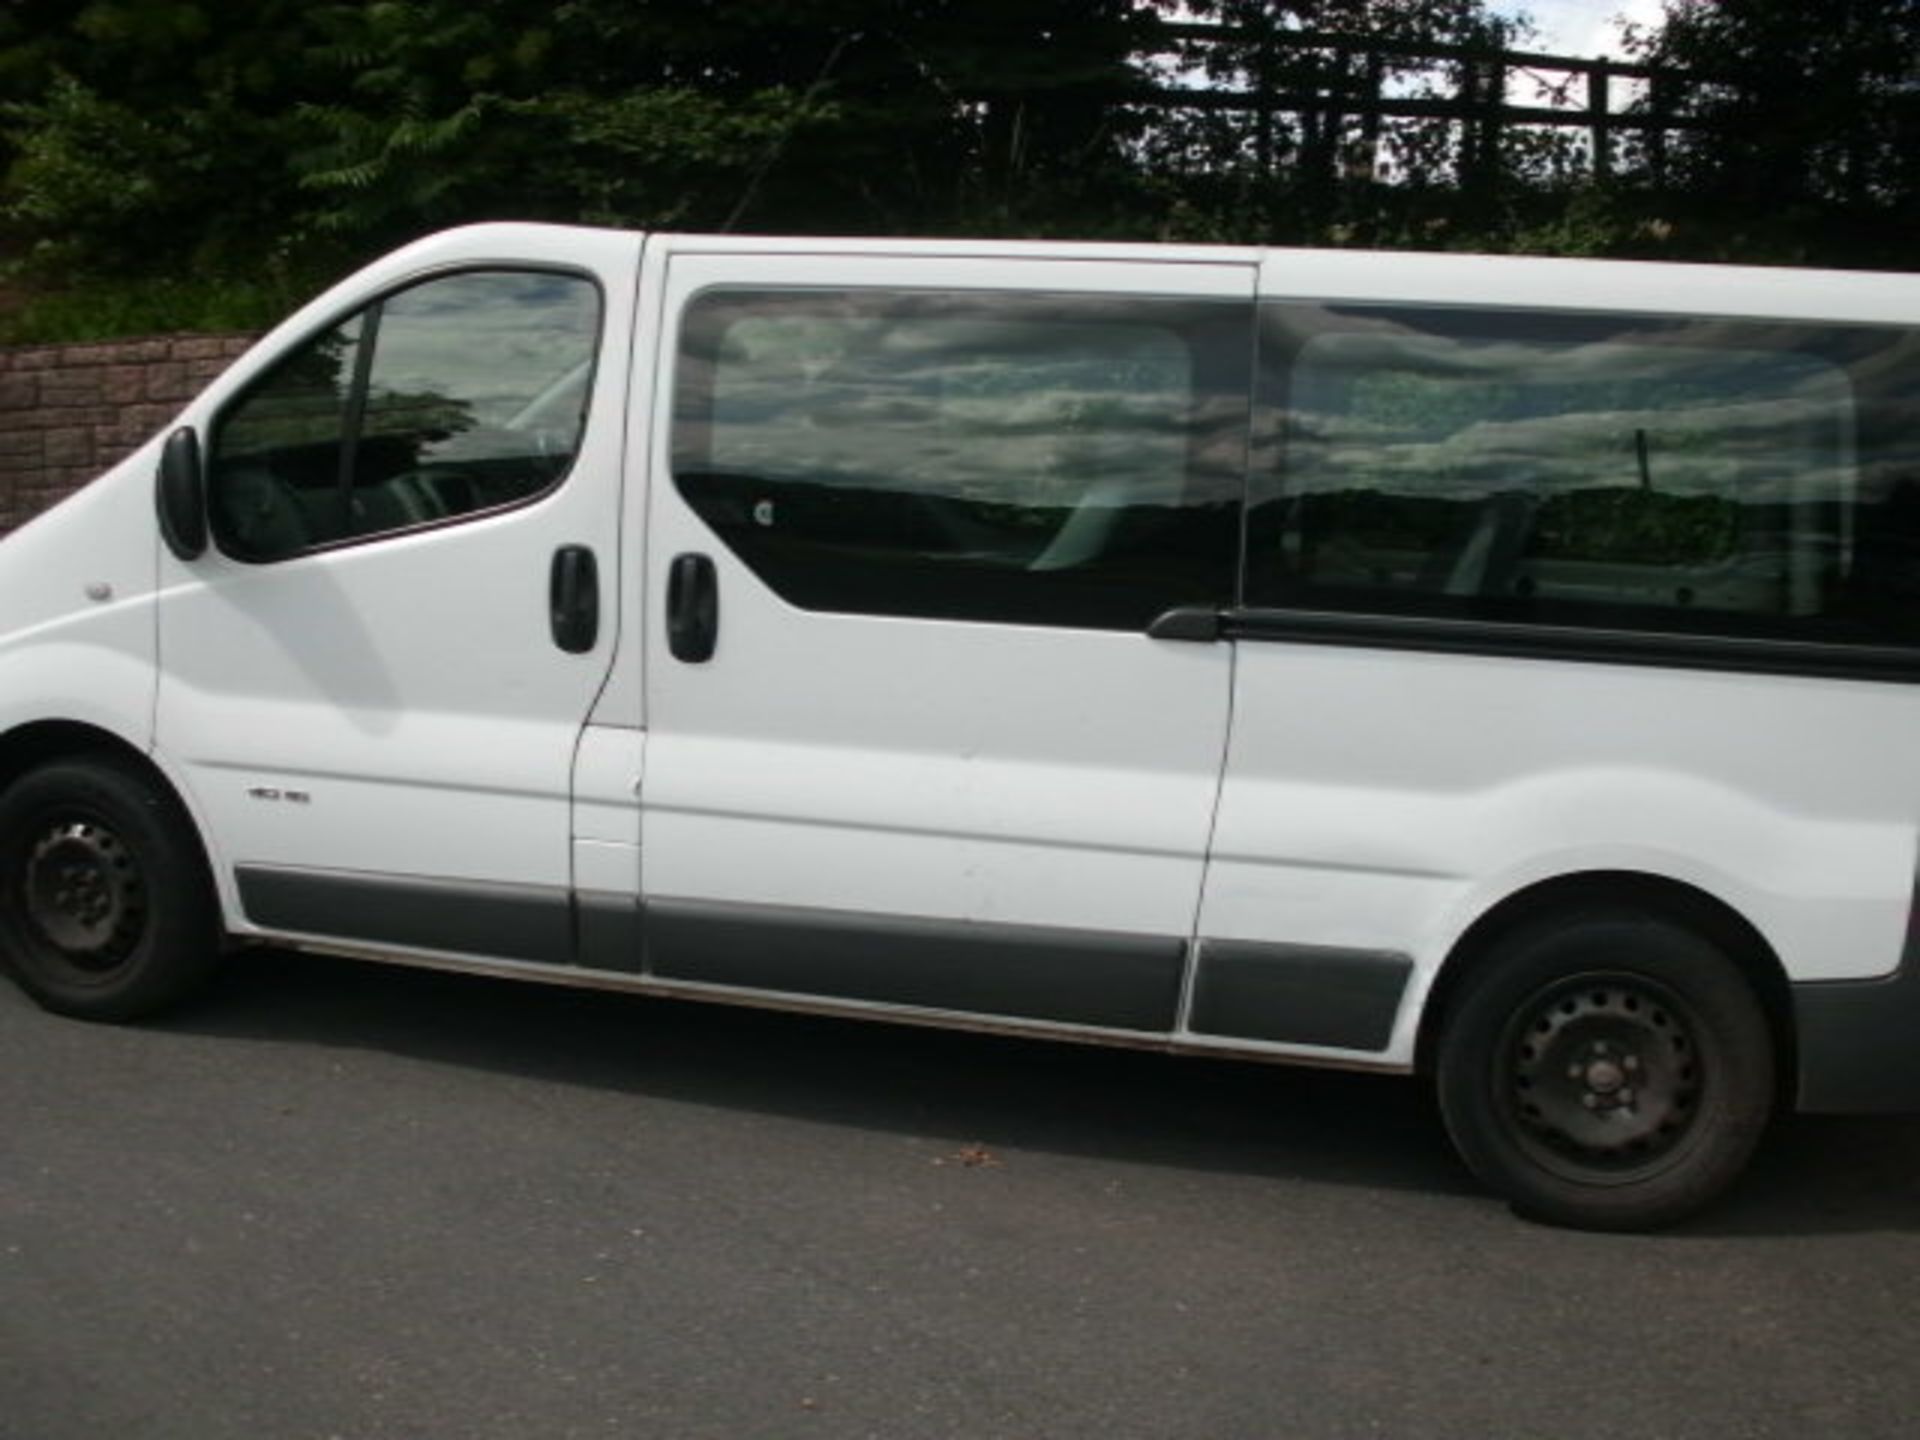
(1674, 900)
(37, 742)
(40, 742)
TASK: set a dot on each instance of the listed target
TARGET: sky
(1581, 28)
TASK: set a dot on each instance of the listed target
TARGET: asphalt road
(341, 1200)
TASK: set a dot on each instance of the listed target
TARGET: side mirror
(180, 495)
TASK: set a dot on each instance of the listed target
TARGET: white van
(1496, 669)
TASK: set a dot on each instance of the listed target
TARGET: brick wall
(69, 411)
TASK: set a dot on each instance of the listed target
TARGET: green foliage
(1808, 141)
(146, 136)
(242, 142)
(105, 309)
(84, 156)
(143, 135)
(411, 135)
(1803, 103)
(668, 156)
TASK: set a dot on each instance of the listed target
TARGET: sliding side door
(909, 741)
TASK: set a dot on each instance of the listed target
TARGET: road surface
(336, 1199)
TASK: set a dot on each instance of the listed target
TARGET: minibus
(1495, 670)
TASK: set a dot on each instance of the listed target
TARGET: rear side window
(964, 455)
(1698, 476)
(456, 396)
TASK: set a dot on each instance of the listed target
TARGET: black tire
(107, 910)
(1611, 1070)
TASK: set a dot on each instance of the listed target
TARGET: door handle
(573, 599)
(693, 608)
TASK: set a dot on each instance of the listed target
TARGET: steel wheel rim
(1603, 1077)
(84, 894)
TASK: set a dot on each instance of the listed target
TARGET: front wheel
(1611, 1070)
(106, 907)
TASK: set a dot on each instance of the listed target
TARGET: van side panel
(1381, 800)
(76, 604)
(1553, 571)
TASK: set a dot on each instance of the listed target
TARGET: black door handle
(693, 608)
(573, 599)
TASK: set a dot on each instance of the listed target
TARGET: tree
(147, 133)
(1809, 116)
(797, 113)
(275, 141)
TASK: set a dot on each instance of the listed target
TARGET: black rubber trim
(354, 422)
(467, 917)
(1859, 1040)
(1080, 977)
(607, 931)
(1568, 642)
(1298, 994)
(1199, 623)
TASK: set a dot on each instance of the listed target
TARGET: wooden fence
(1338, 90)
(1329, 81)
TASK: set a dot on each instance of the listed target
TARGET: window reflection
(473, 396)
(966, 455)
(277, 461)
(1695, 475)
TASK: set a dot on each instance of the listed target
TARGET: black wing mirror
(180, 495)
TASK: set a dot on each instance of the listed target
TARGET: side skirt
(514, 922)
(1299, 994)
(1029, 972)
(624, 983)
(1264, 1001)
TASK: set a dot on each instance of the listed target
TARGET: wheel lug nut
(1590, 1100)
(1632, 1062)
(1626, 1097)
(1573, 1072)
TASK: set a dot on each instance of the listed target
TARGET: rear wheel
(1611, 1070)
(106, 907)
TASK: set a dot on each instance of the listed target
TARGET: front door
(361, 682)
(909, 742)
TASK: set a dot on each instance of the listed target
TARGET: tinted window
(455, 396)
(965, 455)
(1725, 477)
(277, 466)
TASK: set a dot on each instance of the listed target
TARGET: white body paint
(1320, 795)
